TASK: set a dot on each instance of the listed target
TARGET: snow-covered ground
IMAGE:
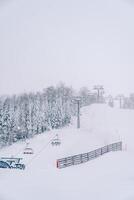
(106, 178)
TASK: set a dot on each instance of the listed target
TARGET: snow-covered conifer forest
(26, 115)
(23, 116)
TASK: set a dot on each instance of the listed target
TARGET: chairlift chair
(28, 150)
(55, 142)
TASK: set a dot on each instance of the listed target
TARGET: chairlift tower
(120, 98)
(77, 100)
(100, 91)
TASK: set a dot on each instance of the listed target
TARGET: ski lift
(12, 163)
(28, 150)
(56, 141)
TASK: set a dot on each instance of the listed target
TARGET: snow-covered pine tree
(6, 121)
(25, 115)
(2, 141)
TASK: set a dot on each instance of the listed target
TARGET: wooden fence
(85, 157)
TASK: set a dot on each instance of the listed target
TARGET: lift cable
(38, 153)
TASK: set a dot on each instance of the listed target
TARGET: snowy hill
(108, 177)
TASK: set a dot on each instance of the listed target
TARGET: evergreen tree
(23, 116)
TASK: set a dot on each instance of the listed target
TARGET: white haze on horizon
(80, 43)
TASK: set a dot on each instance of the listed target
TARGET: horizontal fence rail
(85, 157)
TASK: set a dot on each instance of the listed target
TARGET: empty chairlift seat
(55, 142)
(28, 150)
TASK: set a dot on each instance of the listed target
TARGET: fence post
(57, 164)
(101, 151)
(121, 146)
(72, 159)
(107, 148)
(81, 160)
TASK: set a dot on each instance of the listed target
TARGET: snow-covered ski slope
(109, 177)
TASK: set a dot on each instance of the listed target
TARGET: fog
(80, 43)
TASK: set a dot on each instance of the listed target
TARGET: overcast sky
(78, 42)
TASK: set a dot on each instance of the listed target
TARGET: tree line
(23, 116)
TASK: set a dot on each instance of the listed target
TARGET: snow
(108, 177)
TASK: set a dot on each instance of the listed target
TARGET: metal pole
(120, 102)
(99, 90)
(98, 95)
(78, 114)
(120, 98)
(77, 101)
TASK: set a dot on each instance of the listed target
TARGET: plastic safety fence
(85, 157)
